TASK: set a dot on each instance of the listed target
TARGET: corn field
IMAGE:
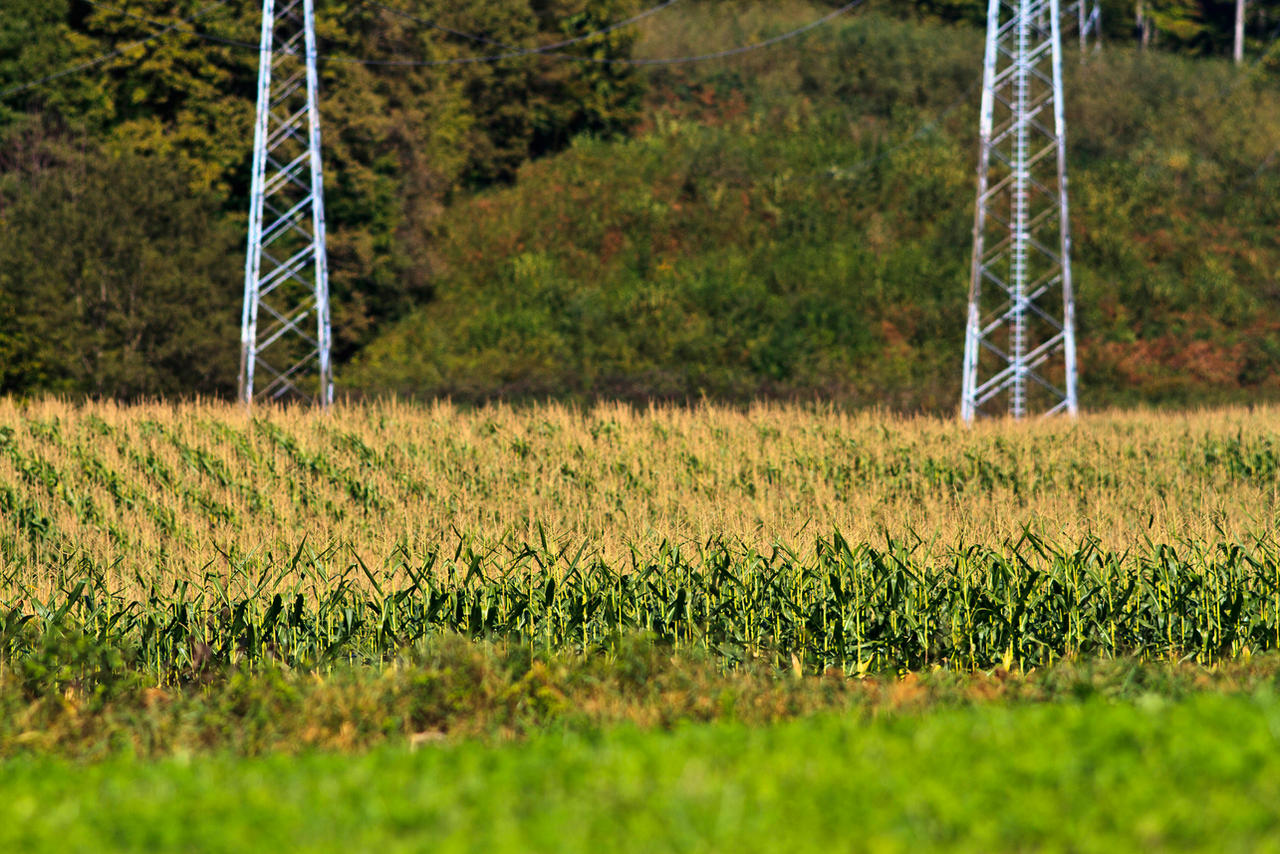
(859, 608)
(198, 534)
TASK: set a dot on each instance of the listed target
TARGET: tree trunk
(1239, 46)
(1143, 24)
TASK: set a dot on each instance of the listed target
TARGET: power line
(154, 23)
(92, 63)
(551, 51)
(540, 49)
(513, 51)
(548, 50)
(845, 173)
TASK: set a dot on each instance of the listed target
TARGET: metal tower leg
(286, 279)
(1086, 17)
(1019, 354)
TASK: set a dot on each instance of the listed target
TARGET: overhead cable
(541, 48)
(552, 51)
(152, 22)
(512, 51)
(96, 61)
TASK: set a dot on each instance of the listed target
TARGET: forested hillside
(792, 222)
(123, 188)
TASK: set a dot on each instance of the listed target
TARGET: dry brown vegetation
(452, 688)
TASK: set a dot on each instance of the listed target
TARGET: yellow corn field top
(171, 491)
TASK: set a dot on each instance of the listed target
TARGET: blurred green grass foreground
(475, 747)
(1200, 774)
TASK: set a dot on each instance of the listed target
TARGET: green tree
(115, 279)
(400, 138)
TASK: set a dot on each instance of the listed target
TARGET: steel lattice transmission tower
(1020, 349)
(285, 336)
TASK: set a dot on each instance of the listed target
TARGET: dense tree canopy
(1196, 26)
(399, 141)
(123, 184)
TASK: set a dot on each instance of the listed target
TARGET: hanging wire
(543, 48)
(551, 50)
(96, 61)
(838, 173)
(847, 173)
(853, 171)
(152, 22)
(514, 51)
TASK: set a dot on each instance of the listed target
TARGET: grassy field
(1200, 774)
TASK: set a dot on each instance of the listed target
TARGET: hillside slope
(796, 223)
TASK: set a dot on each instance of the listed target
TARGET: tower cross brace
(285, 333)
(1020, 348)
